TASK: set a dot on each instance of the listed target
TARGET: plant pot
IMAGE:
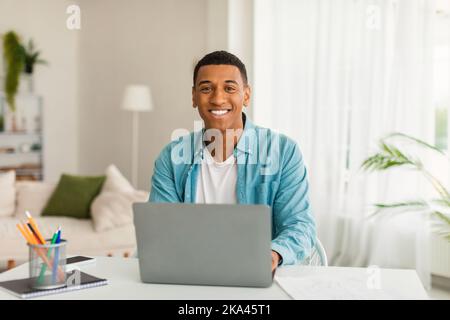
(26, 84)
(11, 123)
(14, 122)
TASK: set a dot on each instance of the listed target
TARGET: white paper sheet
(323, 287)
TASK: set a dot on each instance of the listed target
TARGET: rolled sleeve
(295, 230)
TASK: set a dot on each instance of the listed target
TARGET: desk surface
(124, 283)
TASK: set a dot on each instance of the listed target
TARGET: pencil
(23, 232)
(33, 232)
(35, 227)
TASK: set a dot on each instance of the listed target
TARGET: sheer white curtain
(336, 75)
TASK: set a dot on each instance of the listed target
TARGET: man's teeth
(219, 112)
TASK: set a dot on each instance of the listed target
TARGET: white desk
(124, 283)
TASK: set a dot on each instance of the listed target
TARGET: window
(441, 83)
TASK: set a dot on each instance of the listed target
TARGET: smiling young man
(233, 161)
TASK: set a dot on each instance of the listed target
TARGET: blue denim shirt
(270, 171)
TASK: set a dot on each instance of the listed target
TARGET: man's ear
(194, 100)
(247, 95)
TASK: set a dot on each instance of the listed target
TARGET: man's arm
(163, 187)
(295, 230)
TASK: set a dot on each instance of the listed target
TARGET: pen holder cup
(48, 265)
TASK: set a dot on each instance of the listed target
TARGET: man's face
(220, 94)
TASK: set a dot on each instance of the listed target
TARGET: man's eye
(229, 89)
(206, 89)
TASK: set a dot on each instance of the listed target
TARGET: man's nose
(218, 97)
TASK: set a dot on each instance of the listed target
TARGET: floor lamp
(137, 98)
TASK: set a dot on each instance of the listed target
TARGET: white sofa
(110, 231)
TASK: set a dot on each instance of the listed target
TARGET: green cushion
(73, 196)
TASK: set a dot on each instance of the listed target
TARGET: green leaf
(384, 147)
(32, 57)
(14, 58)
(418, 141)
(413, 205)
(401, 204)
(443, 217)
(443, 201)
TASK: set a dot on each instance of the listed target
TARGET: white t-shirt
(216, 182)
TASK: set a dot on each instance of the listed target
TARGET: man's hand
(275, 260)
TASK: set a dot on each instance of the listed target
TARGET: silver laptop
(204, 244)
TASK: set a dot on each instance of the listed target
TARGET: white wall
(217, 25)
(240, 31)
(152, 42)
(45, 22)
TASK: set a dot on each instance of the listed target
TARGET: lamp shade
(137, 98)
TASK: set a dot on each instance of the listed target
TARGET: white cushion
(115, 181)
(7, 193)
(110, 210)
(32, 196)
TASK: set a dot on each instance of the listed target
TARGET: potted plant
(14, 57)
(390, 156)
(20, 60)
(31, 58)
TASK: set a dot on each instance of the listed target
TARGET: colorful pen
(44, 266)
(56, 258)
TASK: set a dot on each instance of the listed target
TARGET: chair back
(318, 256)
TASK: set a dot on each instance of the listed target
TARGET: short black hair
(221, 57)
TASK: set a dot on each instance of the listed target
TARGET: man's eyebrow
(226, 81)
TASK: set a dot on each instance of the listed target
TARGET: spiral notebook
(22, 289)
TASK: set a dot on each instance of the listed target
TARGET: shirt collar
(242, 146)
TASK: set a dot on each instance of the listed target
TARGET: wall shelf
(12, 133)
(17, 153)
(28, 164)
